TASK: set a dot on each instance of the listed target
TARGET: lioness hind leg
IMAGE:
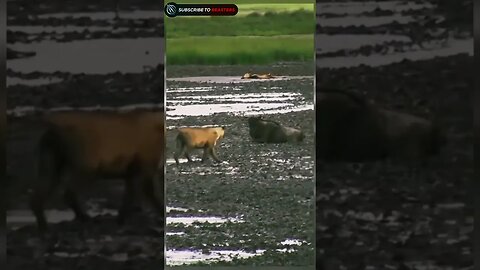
(180, 152)
(214, 155)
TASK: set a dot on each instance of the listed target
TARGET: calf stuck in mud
(268, 131)
(78, 148)
(350, 128)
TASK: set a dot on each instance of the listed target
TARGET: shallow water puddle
(181, 257)
(138, 14)
(246, 109)
(191, 89)
(11, 81)
(185, 257)
(365, 21)
(110, 55)
(36, 29)
(26, 110)
(22, 217)
(233, 79)
(454, 47)
(190, 220)
(215, 169)
(332, 43)
(175, 102)
(118, 257)
(241, 103)
(249, 96)
(242, 108)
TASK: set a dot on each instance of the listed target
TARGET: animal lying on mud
(77, 148)
(350, 128)
(198, 138)
(267, 131)
(250, 75)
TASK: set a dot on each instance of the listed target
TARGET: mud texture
(388, 215)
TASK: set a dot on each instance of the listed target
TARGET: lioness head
(220, 132)
(247, 75)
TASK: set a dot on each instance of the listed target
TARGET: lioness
(265, 76)
(250, 75)
(267, 131)
(80, 147)
(198, 138)
(351, 128)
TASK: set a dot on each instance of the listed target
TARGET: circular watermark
(171, 10)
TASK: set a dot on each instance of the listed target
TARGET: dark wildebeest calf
(267, 131)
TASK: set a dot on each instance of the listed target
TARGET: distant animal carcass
(250, 75)
(350, 128)
(267, 131)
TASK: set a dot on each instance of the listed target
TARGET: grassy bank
(239, 50)
(261, 36)
(260, 22)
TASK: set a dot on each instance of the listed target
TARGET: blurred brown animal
(80, 147)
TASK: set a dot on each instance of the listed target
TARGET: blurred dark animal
(79, 147)
(352, 129)
(198, 138)
(267, 131)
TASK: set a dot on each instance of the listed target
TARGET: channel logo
(173, 9)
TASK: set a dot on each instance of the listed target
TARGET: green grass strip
(261, 22)
(239, 50)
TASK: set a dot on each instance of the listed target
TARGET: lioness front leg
(205, 154)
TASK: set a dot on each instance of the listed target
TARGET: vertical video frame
(394, 135)
(240, 137)
(85, 134)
